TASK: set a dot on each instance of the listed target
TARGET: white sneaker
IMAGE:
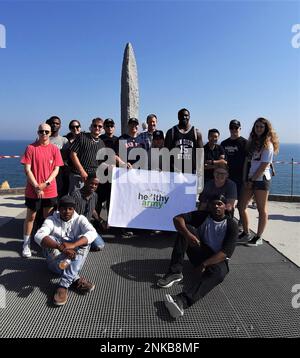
(26, 251)
(174, 306)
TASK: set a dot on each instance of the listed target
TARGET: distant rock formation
(5, 185)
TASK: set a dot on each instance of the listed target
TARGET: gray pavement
(283, 228)
(10, 207)
(255, 299)
(282, 232)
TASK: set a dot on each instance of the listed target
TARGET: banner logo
(153, 200)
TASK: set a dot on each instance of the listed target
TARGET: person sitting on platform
(220, 185)
(86, 201)
(209, 240)
(65, 238)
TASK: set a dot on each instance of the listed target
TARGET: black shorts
(262, 184)
(37, 204)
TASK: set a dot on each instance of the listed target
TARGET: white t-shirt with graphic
(263, 156)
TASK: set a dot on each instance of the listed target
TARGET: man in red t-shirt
(41, 161)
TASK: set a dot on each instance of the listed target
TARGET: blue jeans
(98, 243)
(70, 274)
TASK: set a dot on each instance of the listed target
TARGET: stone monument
(129, 88)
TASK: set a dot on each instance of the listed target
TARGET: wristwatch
(47, 183)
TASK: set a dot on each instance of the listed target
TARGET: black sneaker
(244, 237)
(169, 279)
(174, 305)
(127, 234)
(256, 241)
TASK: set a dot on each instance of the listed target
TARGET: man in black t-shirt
(83, 153)
(235, 153)
(213, 154)
(110, 140)
(209, 240)
(186, 138)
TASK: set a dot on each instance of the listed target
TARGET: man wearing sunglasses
(83, 153)
(41, 163)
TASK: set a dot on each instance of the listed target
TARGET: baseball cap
(133, 120)
(218, 197)
(157, 134)
(234, 123)
(109, 121)
(67, 201)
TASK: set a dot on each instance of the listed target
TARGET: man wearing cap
(155, 159)
(186, 138)
(209, 240)
(109, 139)
(112, 142)
(235, 154)
(66, 237)
(158, 139)
(129, 141)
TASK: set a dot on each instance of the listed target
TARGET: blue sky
(221, 60)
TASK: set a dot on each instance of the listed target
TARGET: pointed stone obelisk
(129, 88)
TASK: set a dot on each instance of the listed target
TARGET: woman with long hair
(262, 145)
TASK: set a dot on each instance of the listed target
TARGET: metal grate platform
(253, 301)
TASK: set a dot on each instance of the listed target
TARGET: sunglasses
(234, 128)
(41, 131)
(109, 126)
(259, 126)
(97, 126)
(75, 127)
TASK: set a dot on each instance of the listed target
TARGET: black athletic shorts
(37, 204)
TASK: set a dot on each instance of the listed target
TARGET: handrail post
(292, 177)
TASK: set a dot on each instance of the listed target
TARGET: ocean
(283, 182)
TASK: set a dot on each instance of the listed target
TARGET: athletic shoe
(26, 251)
(174, 306)
(127, 234)
(256, 241)
(244, 237)
(61, 296)
(82, 285)
(169, 279)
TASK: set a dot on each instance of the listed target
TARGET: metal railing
(285, 182)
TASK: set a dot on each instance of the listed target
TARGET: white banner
(150, 199)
